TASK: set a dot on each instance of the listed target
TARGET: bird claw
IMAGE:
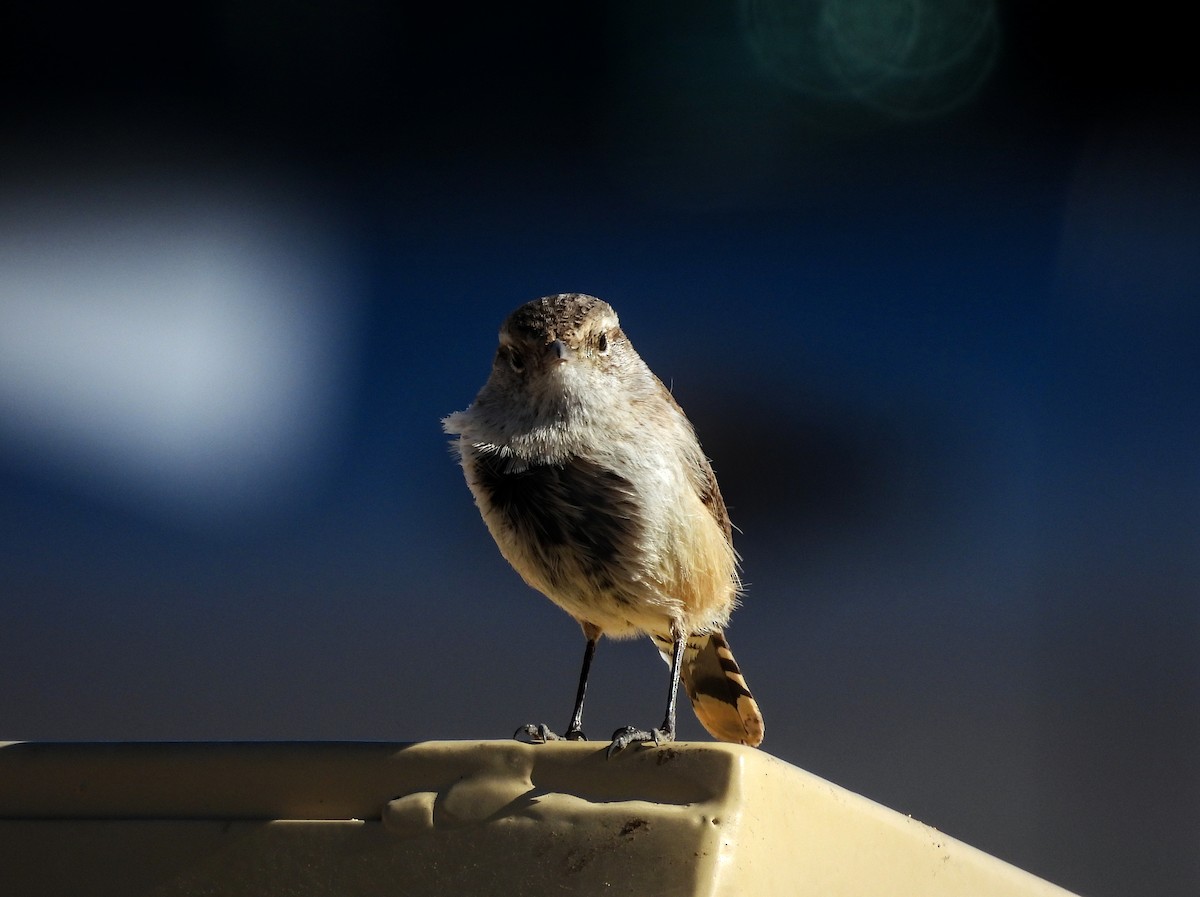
(537, 733)
(624, 737)
(540, 733)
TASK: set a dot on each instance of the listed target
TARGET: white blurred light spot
(183, 354)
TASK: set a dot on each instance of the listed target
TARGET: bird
(593, 484)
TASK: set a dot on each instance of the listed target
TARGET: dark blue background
(946, 363)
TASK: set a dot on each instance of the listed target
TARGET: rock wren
(591, 480)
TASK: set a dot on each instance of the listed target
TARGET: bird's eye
(515, 361)
(602, 344)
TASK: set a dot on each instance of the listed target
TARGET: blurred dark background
(925, 278)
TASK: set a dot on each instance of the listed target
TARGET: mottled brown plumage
(593, 484)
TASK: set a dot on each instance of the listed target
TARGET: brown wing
(700, 470)
(710, 493)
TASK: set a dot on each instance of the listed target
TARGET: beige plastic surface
(461, 818)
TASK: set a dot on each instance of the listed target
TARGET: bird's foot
(539, 733)
(624, 737)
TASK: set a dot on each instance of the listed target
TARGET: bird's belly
(579, 533)
(576, 532)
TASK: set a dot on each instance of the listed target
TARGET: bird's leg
(622, 738)
(575, 729)
(540, 732)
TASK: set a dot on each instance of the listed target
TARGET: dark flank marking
(578, 506)
(517, 495)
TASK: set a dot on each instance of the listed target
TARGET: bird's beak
(558, 352)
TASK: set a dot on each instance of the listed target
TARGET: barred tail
(722, 701)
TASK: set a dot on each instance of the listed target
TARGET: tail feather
(718, 691)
